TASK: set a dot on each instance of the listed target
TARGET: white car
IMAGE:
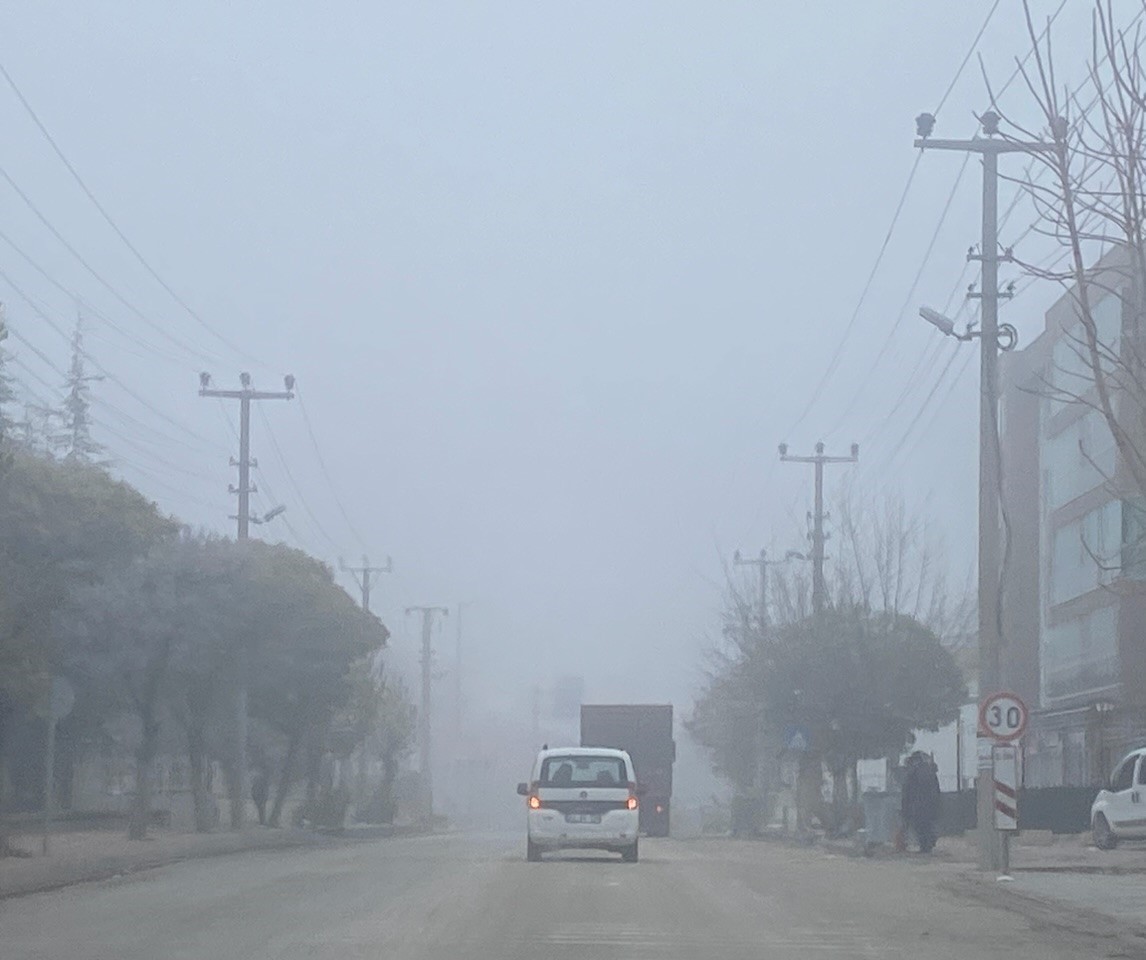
(581, 798)
(1119, 810)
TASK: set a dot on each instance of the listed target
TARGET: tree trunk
(195, 719)
(147, 701)
(286, 777)
(839, 796)
(144, 757)
(313, 770)
(5, 847)
(360, 779)
(200, 793)
(809, 784)
(386, 788)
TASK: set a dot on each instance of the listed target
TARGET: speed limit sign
(1003, 717)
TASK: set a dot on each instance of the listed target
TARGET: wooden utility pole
(244, 395)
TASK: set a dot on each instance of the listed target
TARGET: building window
(1081, 655)
(1072, 375)
(1078, 459)
(1086, 554)
(1134, 539)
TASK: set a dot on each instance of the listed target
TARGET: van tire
(1104, 837)
(532, 852)
(630, 854)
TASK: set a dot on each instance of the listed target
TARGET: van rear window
(583, 771)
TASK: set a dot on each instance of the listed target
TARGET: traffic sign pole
(1003, 719)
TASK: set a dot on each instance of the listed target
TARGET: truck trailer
(645, 732)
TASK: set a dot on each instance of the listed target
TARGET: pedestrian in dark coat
(921, 800)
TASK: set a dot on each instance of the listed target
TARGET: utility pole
(991, 854)
(366, 576)
(535, 714)
(425, 733)
(244, 395)
(458, 712)
(818, 536)
(764, 563)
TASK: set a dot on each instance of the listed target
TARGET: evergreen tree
(76, 438)
(7, 391)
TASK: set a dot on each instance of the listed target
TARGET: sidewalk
(1042, 852)
(1031, 852)
(1055, 880)
(76, 857)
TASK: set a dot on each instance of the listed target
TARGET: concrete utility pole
(761, 563)
(425, 733)
(244, 490)
(764, 563)
(535, 714)
(458, 713)
(366, 576)
(990, 476)
(818, 536)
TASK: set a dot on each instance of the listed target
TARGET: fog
(554, 280)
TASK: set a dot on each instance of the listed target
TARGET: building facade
(1074, 620)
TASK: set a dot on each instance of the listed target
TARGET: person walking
(260, 792)
(921, 799)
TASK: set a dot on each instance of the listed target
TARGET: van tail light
(631, 803)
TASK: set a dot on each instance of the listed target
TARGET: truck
(645, 732)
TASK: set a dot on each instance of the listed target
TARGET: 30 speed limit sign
(1003, 717)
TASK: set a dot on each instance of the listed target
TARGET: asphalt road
(475, 897)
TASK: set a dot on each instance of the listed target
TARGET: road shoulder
(86, 857)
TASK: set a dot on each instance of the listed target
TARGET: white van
(581, 798)
(1119, 810)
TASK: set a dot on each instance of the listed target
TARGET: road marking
(590, 939)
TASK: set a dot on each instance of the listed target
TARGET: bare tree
(1089, 195)
(886, 584)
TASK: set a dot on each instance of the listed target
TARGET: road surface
(451, 897)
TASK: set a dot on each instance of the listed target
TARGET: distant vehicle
(645, 732)
(1119, 810)
(581, 799)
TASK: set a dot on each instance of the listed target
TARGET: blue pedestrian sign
(796, 739)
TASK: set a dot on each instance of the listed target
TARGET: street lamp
(269, 515)
(1008, 336)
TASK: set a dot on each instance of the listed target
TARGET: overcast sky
(555, 280)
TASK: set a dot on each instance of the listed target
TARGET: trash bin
(881, 817)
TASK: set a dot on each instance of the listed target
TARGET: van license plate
(583, 818)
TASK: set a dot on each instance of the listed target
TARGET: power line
(966, 58)
(326, 473)
(88, 308)
(285, 467)
(95, 273)
(886, 345)
(841, 343)
(112, 223)
(94, 362)
(838, 353)
(46, 404)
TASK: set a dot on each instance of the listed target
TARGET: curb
(122, 865)
(1081, 868)
(1119, 937)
